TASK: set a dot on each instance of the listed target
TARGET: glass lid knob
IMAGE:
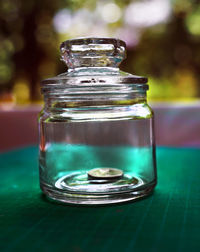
(93, 52)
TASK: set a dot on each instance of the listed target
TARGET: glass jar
(96, 128)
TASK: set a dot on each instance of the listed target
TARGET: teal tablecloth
(169, 220)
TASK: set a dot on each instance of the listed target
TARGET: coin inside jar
(105, 173)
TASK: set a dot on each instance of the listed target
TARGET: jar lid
(94, 61)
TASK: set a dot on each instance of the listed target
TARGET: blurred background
(162, 36)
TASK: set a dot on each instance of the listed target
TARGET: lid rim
(87, 40)
(95, 80)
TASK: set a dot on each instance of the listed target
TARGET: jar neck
(93, 99)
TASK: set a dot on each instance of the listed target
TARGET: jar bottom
(135, 191)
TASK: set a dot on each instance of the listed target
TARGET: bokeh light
(111, 13)
(21, 91)
(147, 13)
(193, 22)
(62, 20)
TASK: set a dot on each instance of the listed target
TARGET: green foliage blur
(162, 36)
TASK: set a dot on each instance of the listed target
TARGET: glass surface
(74, 148)
(88, 125)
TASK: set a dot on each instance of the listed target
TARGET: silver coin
(105, 173)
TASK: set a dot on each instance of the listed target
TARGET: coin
(105, 173)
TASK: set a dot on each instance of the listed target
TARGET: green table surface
(168, 220)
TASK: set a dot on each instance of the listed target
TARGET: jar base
(96, 199)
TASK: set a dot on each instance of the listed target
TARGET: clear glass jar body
(96, 128)
(75, 139)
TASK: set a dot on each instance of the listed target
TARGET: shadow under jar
(96, 128)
